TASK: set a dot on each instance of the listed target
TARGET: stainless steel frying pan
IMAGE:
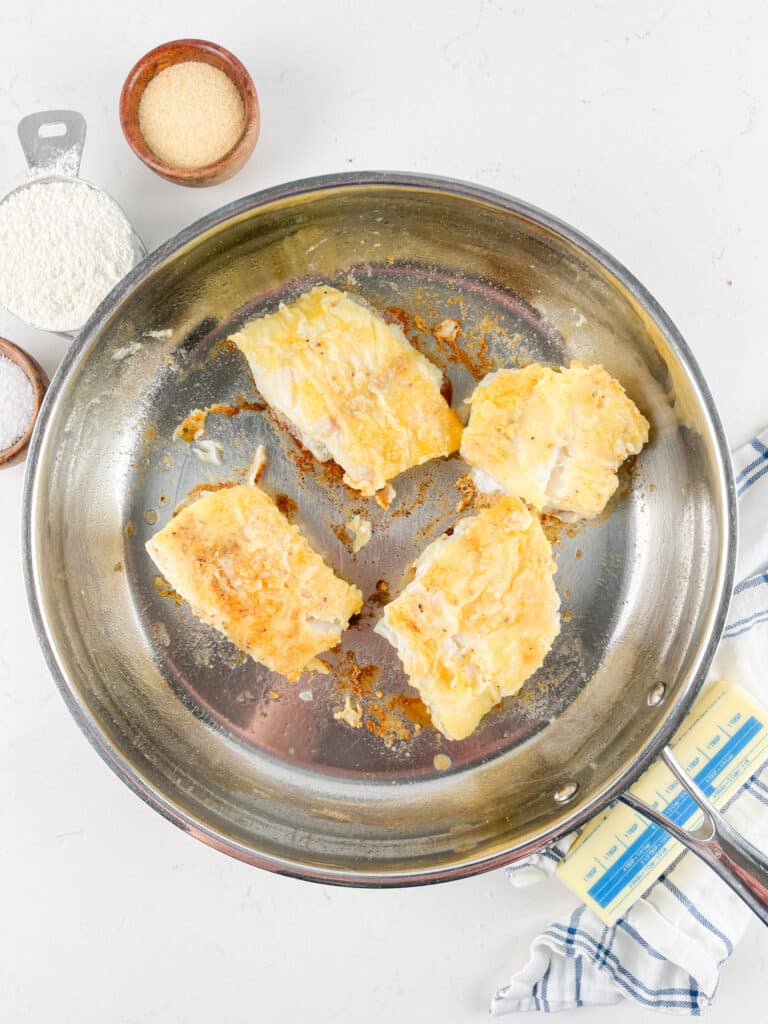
(260, 768)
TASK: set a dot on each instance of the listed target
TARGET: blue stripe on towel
(762, 451)
(749, 623)
(751, 583)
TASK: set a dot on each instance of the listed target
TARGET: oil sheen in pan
(468, 328)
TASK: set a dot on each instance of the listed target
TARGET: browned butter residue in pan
(465, 485)
(411, 707)
(240, 405)
(194, 493)
(194, 425)
(422, 495)
(164, 589)
(463, 348)
(381, 595)
(329, 473)
(287, 506)
(353, 678)
(555, 529)
(468, 350)
(552, 526)
(342, 534)
(398, 316)
(391, 718)
(219, 485)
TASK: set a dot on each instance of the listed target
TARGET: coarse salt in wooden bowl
(183, 51)
(38, 378)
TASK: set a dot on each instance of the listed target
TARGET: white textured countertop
(642, 124)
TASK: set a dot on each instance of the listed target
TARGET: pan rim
(460, 865)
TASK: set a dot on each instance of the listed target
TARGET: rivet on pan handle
(718, 844)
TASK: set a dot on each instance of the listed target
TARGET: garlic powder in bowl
(191, 114)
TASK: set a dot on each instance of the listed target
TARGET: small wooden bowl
(179, 52)
(38, 378)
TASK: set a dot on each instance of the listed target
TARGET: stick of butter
(619, 855)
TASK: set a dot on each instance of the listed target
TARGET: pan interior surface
(263, 768)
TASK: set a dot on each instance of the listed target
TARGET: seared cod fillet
(554, 437)
(249, 573)
(479, 617)
(351, 386)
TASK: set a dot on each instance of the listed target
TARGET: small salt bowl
(38, 378)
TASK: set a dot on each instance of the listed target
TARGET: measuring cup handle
(740, 865)
(48, 151)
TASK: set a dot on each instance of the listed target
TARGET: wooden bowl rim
(38, 378)
(132, 91)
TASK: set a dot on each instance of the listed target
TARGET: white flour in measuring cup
(63, 247)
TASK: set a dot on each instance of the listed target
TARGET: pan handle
(718, 844)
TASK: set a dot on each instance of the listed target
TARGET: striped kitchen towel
(667, 951)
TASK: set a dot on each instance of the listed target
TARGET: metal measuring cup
(56, 157)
